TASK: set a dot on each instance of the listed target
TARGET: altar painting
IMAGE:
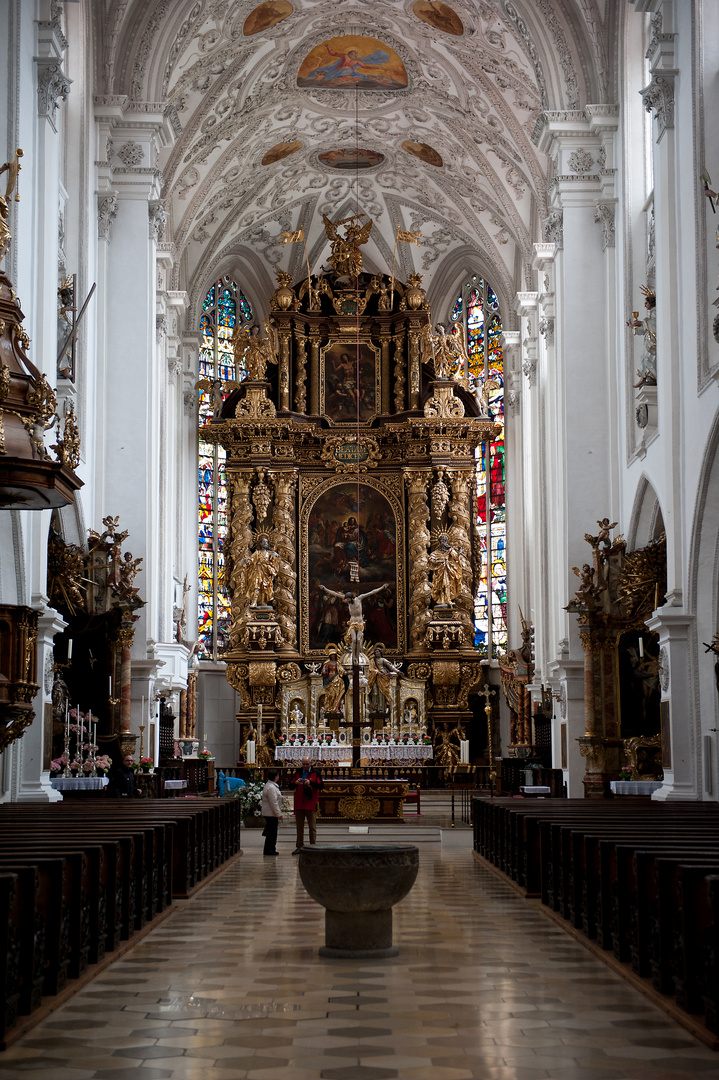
(340, 533)
(352, 61)
(344, 397)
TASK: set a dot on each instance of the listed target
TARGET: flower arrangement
(426, 741)
(103, 763)
(205, 755)
(146, 763)
(58, 765)
(250, 797)
(625, 774)
(280, 740)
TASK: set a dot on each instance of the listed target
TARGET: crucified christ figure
(355, 630)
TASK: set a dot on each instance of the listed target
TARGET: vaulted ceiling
(478, 76)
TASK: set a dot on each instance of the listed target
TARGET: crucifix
(488, 694)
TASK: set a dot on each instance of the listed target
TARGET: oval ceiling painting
(280, 150)
(355, 157)
(439, 15)
(266, 16)
(351, 60)
(422, 151)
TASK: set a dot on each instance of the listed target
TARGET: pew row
(642, 881)
(76, 882)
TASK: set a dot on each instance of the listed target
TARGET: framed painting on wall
(350, 381)
(344, 523)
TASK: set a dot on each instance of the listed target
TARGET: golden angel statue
(446, 351)
(254, 353)
(445, 563)
(12, 168)
(346, 258)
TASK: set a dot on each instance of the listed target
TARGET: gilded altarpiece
(351, 465)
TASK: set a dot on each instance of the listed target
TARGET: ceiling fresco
(440, 16)
(272, 107)
(352, 62)
(279, 151)
(423, 152)
(266, 16)
(351, 157)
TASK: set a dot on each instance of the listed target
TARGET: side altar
(352, 558)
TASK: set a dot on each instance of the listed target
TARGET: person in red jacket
(306, 783)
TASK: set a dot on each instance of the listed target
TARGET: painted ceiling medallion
(279, 151)
(351, 158)
(438, 15)
(422, 151)
(351, 60)
(266, 16)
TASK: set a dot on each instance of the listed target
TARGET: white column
(578, 373)
(34, 748)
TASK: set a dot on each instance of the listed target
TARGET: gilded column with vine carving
(420, 593)
(301, 371)
(284, 369)
(399, 372)
(314, 371)
(282, 539)
(459, 536)
(414, 381)
(241, 514)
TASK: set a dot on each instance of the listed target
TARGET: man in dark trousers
(271, 810)
(306, 783)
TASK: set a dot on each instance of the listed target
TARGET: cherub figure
(218, 388)
(587, 589)
(605, 528)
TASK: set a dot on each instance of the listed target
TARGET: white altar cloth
(635, 787)
(329, 754)
(78, 783)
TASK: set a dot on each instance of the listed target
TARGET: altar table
(79, 785)
(634, 787)
(362, 800)
(400, 753)
(328, 755)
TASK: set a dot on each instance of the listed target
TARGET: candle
(110, 681)
(259, 714)
(142, 709)
(250, 752)
(69, 648)
(464, 751)
(641, 648)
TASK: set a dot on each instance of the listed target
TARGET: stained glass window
(476, 314)
(223, 308)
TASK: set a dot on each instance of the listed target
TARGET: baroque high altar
(351, 471)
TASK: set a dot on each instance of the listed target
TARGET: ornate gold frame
(311, 488)
(344, 340)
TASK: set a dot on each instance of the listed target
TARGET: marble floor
(231, 987)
